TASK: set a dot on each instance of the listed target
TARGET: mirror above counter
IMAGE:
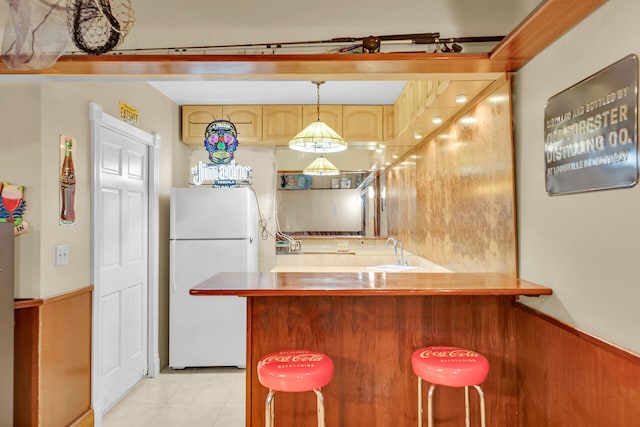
(346, 204)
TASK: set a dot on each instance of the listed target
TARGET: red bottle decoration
(68, 186)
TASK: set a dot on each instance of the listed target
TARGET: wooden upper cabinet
(277, 124)
(246, 118)
(362, 123)
(331, 115)
(388, 123)
(248, 122)
(280, 123)
(195, 119)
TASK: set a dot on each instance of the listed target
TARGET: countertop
(366, 283)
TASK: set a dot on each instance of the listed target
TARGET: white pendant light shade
(318, 138)
(321, 166)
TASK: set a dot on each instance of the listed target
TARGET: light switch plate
(62, 254)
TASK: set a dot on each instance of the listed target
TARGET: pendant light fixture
(321, 167)
(318, 137)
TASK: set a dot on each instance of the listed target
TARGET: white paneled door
(121, 264)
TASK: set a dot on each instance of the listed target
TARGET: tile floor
(195, 397)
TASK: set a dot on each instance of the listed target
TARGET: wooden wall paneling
(26, 372)
(52, 369)
(65, 379)
(569, 378)
(370, 340)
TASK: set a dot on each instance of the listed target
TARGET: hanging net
(35, 34)
(99, 26)
(38, 32)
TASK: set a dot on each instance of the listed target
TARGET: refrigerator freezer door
(217, 213)
(206, 331)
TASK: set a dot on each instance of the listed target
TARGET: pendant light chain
(318, 83)
(318, 100)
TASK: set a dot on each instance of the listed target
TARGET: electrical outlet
(62, 254)
(367, 243)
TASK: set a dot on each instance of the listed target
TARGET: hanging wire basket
(99, 26)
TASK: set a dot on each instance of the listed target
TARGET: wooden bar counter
(370, 323)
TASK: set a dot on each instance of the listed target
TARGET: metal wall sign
(591, 132)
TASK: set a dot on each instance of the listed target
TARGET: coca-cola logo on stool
(450, 353)
(293, 358)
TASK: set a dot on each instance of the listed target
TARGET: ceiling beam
(547, 23)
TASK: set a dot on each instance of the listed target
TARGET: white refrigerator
(212, 230)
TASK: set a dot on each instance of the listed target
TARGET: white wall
(586, 247)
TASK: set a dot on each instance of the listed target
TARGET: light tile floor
(195, 397)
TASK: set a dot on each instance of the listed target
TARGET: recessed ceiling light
(395, 156)
(461, 99)
(436, 120)
(467, 120)
(381, 145)
(417, 135)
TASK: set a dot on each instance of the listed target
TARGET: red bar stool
(294, 371)
(452, 367)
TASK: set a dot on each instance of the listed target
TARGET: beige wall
(32, 115)
(20, 161)
(585, 246)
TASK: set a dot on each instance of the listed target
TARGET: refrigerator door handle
(173, 280)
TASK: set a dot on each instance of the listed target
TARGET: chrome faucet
(401, 260)
(394, 242)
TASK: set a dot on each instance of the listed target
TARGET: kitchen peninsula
(369, 323)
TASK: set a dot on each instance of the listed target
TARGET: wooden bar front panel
(370, 340)
(569, 378)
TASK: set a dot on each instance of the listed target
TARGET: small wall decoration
(591, 136)
(12, 206)
(221, 142)
(128, 113)
(67, 181)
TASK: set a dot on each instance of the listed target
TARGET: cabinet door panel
(195, 119)
(281, 122)
(248, 122)
(362, 123)
(331, 115)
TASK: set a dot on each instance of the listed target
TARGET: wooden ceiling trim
(548, 22)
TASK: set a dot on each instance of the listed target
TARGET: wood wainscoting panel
(371, 340)
(569, 378)
(53, 361)
(26, 374)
